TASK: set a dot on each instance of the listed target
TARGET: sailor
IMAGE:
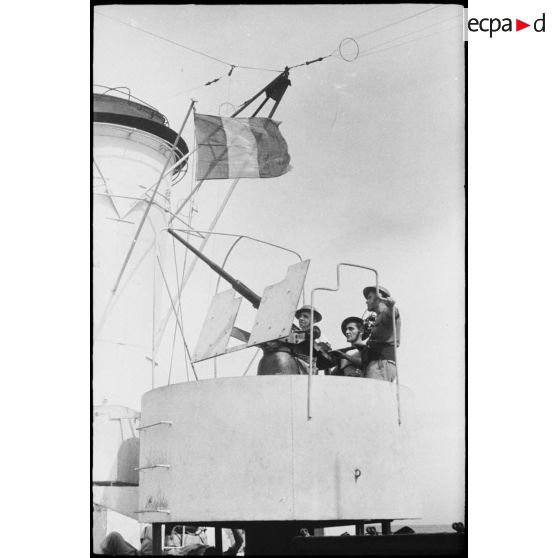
(350, 362)
(114, 544)
(378, 351)
(292, 355)
(299, 342)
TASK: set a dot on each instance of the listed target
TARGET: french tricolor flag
(239, 148)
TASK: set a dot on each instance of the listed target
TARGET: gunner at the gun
(299, 342)
(377, 348)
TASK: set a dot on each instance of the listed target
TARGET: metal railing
(333, 289)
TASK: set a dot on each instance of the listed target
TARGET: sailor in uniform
(378, 351)
(292, 355)
(350, 362)
(299, 342)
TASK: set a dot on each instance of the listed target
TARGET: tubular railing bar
(251, 361)
(175, 216)
(168, 422)
(144, 217)
(156, 466)
(338, 273)
(186, 278)
(130, 96)
(177, 318)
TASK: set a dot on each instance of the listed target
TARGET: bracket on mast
(273, 90)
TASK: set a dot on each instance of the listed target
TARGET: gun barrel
(237, 285)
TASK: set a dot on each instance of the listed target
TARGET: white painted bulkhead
(243, 449)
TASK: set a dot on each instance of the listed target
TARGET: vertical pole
(396, 366)
(310, 369)
(219, 540)
(359, 528)
(386, 526)
(318, 532)
(157, 534)
(155, 260)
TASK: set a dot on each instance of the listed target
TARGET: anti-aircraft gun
(273, 329)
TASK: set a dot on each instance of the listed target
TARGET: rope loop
(345, 44)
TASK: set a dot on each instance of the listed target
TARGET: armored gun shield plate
(218, 326)
(278, 306)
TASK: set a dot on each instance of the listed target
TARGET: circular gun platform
(243, 450)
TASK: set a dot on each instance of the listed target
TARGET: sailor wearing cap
(378, 351)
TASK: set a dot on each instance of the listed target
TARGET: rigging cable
(176, 315)
(187, 47)
(363, 53)
(233, 66)
(373, 51)
(396, 22)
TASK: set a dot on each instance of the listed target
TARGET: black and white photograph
(278, 279)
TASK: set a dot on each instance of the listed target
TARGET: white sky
(377, 149)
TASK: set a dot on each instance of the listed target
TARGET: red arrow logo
(519, 25)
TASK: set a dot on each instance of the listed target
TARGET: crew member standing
(378, 350)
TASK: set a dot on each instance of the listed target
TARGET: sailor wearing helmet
(299, 342)
(378, 350)
(292, 355)
(350, 362)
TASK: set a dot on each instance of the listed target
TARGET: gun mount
(274, 319)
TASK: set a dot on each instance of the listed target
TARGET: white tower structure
(132, 143)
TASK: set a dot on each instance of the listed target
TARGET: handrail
(169, 422)
(336, 288)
